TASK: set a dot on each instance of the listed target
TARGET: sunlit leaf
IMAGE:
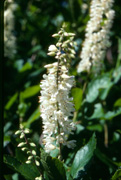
(11, 101)
(26, 67)
(98, 87)
(30, 91)
(77, 95)
(82, 157)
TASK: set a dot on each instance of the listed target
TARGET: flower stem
(27, 142)
(60, 146)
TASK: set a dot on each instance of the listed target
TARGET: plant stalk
(27, 142)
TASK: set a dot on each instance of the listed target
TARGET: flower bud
(32, 144)
(52, 48)
(30, 157)
(28, 162)
(24, 149)
(33, 152)
(26, 131)
(22, 135)
(21, 144)
(37, 163)
(58, 44)
(55, 35)
(71, 34)
(18, 132)
(51, 53)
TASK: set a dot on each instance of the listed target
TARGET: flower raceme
(97, 34)
(56, 105)
(9, 37)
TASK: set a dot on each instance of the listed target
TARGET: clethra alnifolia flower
(56, 105)
(97, 34)
(9, 36)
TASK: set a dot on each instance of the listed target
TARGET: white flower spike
(97, 34)
(55, 104)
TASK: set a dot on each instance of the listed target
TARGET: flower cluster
(9, 37)
(97, 34)
(27, 145)
(56, 105)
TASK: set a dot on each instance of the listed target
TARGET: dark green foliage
(82, 157)
(117, 175)
(27, 170)
(97, 97)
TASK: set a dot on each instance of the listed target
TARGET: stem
(106, 135)
(60, 146)
(27, 142)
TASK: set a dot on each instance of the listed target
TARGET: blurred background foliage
(97, 96)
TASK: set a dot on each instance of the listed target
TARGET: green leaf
(95, 127)
(36, 73)
(82, 157)
(67, 169)
(117, 103)
(26, 67)
(99, 87)
(7, 127)
(11, 101)
(117, 175)
(56, 167)
(29, 171)
(111, 114)
(77, 95)
(98, 112)
(43, 157)
(20, 155)
(53, 167)
(35, 115)
(36, 48)
(30, 91)
(117, 74)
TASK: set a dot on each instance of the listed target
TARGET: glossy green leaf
(117, 74)
(29, 171)
(98, 112)
(47, 172)
(77, 95)
(98, 87)
(30, 91)
(82, 157)
(111, 114)
(57, 169)
(54, 168)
